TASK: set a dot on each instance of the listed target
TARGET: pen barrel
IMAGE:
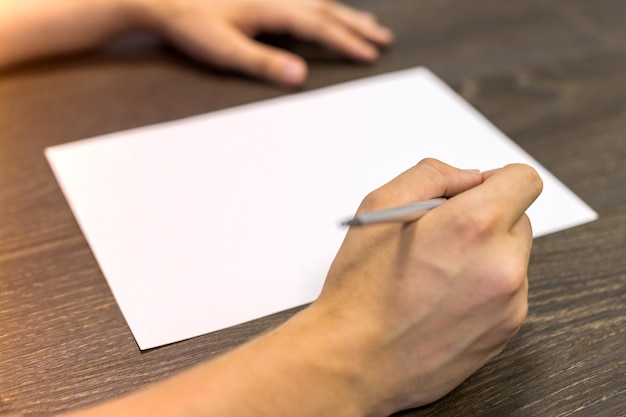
(401, 214)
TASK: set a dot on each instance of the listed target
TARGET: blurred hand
(221, 33)
(216, 32)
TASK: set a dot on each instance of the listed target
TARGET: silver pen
(408, 213)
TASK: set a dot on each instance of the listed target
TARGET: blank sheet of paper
(207, 222)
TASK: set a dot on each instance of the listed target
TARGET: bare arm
(406, 314)
(216, 32)
(31, 29)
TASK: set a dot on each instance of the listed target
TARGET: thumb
(430, 178)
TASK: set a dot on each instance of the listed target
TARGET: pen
(406, 213)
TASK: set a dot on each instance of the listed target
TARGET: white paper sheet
(214, 220)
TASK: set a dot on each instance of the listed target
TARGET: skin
(407, 312)
(216, 32)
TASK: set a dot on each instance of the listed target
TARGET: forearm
(406, 314)
(31, 29)
(295, 370)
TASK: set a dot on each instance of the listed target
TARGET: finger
(337, 37)
(504, 196)
(430, 178)
(239, 53)
(363, 23)
(322, 25)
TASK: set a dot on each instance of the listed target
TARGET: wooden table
(550, 73)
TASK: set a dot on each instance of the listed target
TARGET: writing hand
(424, 305)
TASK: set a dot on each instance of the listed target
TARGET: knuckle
(322, 11)
(434, 172)
(374, 200)
(530, 176)
(502, 280)
(509, 280)
(432, 163)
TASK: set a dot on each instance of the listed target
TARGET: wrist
(324, 362)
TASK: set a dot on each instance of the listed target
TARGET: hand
(408, 311)
(417, 308)
(221, 32)
(217, 32)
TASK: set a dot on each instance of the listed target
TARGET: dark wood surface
(550, 73)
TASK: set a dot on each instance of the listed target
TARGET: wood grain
(550, 73)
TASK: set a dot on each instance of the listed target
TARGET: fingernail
(472, 171)
(293, 73)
